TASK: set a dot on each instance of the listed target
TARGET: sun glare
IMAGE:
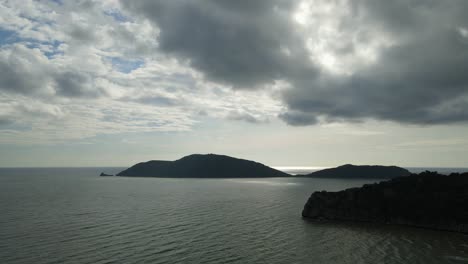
(339, 49)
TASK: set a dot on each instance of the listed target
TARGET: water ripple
(64, 219)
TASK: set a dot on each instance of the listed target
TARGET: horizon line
(274, 167)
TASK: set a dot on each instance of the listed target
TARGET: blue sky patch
(124, 65)
(53, 45)
(7, 37)
(117, 15)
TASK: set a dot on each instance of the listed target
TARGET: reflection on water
(264, 182)
(74, 216)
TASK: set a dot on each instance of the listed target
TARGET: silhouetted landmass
(103, 174)
(349, 171)
(203, 166)
(428, 200)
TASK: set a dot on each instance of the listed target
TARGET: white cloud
(60, 81)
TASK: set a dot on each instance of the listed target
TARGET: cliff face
(361, 171)
(203, 166)
(427, 200)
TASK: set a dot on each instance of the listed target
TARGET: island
(426, 200)
(202, 166)
(105, 175)
(349, 171)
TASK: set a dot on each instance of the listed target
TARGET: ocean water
(74, 216)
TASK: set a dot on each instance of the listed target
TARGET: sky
(285, 83)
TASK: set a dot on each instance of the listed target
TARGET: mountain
(427, 200)
(202, 166)
(360, 171)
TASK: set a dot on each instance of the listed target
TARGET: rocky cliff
(428, 200)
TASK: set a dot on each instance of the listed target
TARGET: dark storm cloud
(298, 118)
(238, 42)
(421, 78)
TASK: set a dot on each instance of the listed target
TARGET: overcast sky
(286, 83)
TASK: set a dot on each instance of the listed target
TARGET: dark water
(74, 216)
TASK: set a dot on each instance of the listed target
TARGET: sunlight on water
(270, 182)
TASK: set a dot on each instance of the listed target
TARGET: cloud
(418, 79)
(242, 43)
(75, 84)
(141, 66)
(399, 61)
(57, 85)
(28, 71)
(29, 121)
(160, 100)
(298, 118)
(246, 117)
(23, 70)
(58, 81)
(5, 121)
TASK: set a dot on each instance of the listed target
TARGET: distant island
(222, 166)
(349, 171)
(427, 200)
(105, 175)
(202, 166)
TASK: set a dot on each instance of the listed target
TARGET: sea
(71, 215)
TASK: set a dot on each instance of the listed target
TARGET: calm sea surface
(74, 216)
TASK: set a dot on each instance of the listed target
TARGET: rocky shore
(427, 200)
